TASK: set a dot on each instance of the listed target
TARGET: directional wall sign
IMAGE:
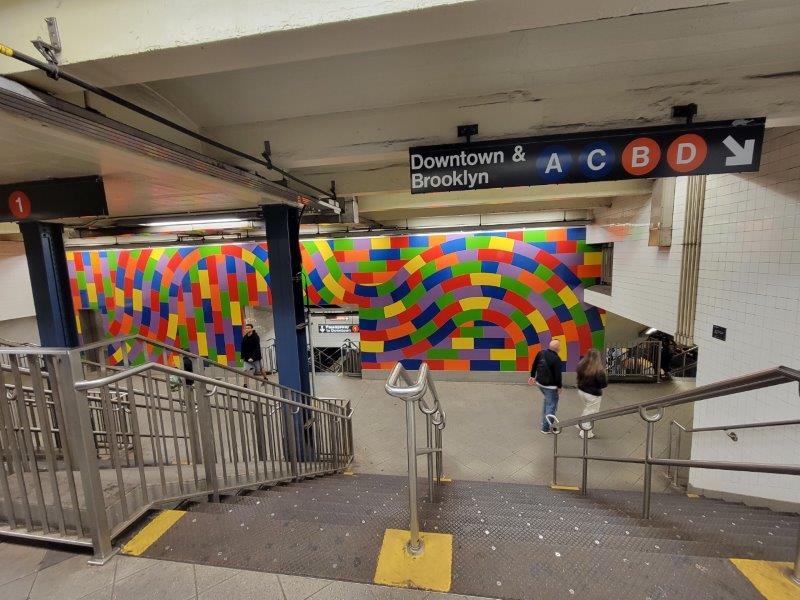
(338, 328)
(53, 199)
(669, 151)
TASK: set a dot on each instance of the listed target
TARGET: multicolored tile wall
(460, 301)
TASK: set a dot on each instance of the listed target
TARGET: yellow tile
(568, 296)
(539, 324)
(463, 343)
(394, 309)
(205, 287)
(415, 264)
(470, 303)
(498, 243)
(431, 570)
(381, 243)
(152, 531)
(202, 345)
(172, 326)
(371, 346)
(485, 279)
(592, 258)
(769, 578)
(333, 286)
(502, 354)
(236, 313)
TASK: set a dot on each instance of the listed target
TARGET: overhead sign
(53, 199)
(668, 151)
(338, 328)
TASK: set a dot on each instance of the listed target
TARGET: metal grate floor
(510, 541)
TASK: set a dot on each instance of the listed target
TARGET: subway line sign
(668, 151)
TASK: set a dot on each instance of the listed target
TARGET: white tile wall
(645, 278)
(750, 283)
(16, 298)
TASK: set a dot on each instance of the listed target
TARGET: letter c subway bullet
(641, 156)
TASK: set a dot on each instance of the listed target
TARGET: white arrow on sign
(742, 155)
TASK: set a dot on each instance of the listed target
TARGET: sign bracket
(685, 111)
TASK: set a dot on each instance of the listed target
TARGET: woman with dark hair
(592, 380)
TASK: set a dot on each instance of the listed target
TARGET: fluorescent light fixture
(207, 221)
(650, 331)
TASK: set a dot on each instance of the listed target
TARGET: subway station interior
(422, 299)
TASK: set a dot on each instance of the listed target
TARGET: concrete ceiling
(343, 94)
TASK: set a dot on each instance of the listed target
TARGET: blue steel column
(285, 268)
(47, 264)
(291, 350)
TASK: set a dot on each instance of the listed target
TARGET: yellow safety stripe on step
(565, 488)
(692, 496)
(769, 578)
(431, 570)
(348, 472)
(151, 532)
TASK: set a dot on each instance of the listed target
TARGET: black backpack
(543, 374)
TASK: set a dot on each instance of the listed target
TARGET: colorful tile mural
(460, 301)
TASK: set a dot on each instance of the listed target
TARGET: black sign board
(719, 332)
(53, 199)
(338, 328)
(668, 151)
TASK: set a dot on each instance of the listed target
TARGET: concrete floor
(38, 573)
(492, 432)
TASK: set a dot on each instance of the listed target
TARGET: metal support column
(291, 349)
(285, 273)
(47, 264)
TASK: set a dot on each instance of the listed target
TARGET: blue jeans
(549, 405)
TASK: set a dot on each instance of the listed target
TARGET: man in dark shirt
(546, 373)
(251, 350)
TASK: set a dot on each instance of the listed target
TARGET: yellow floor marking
(152, 531)
(692, 496)
(566, 488)
(445, 480)
(348, 472)
(769, 578)
(432, 570)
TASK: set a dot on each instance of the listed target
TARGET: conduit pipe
(54, 72)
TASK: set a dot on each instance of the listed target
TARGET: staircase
(510, 541)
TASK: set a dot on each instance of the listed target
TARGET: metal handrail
(435, 420)
(652, 411)
(189, 354)
(122, 375)
(745, 383)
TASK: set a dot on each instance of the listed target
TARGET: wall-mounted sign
(719, 332)
(668, 151)
(338, 328)
(53, 199)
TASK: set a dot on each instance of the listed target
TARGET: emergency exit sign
(667, 151)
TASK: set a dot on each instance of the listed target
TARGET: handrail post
(414, 543)
(79, 432)
(585, 461)
(555, 459)
(206, 427)
(648, 470)
(795, 575)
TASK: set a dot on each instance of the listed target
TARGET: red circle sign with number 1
(20, 204)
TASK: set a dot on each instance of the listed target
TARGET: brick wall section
(750, 283)
(645, 278)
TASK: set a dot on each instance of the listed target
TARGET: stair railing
(87, 448)
(652, 412)
(677, 431)
(413, 394)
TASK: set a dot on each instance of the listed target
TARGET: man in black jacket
(251, 350)
(546, 373)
